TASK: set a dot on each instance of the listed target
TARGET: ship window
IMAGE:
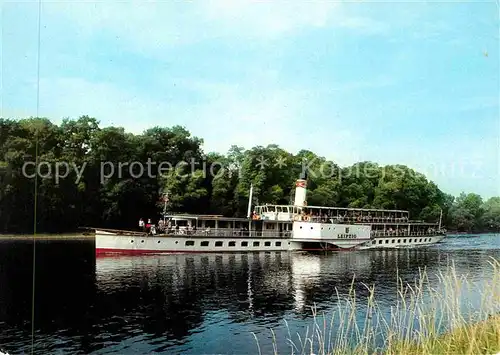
(404, 240)
(399, 240)
(409, 241)
(278, 244)
(218, 244)
(393, 241)
(189, 243)
(387, 241)
(420, 241)
(244, 244)
(380, 242)
(256, 244)
(232, 244)
(374, 242)
(267, 244)
(204, 243)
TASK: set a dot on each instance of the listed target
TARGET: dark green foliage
(103, 185)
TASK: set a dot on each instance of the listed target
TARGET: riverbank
(422, 320)
(48, 237)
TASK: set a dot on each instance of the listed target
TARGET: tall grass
(454, 317)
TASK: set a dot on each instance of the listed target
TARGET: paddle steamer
(275, 228)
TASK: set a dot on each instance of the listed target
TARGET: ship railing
(226, 232)
(355, 220)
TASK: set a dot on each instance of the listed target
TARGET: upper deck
(331, 214)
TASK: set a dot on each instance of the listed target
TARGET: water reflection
(194, 303)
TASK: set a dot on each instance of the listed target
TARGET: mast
(250, 201)
(165, 201)
(250, 196)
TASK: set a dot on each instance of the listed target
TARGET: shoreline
(66, 236)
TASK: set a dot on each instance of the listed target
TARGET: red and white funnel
(300, 193)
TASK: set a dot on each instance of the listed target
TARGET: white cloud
(271, 19)
(156, 27)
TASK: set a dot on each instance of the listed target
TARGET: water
(199, 303)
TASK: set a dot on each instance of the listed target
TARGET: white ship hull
(402, 242)
(107, 242)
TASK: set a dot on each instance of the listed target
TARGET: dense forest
(85, 175)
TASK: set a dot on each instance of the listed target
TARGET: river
(196, 304)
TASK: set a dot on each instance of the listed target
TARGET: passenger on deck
(161, 225)
(141, 224)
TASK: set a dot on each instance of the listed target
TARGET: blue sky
(415, 83)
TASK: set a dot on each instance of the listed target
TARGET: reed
(457, 316)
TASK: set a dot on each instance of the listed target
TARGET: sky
(414, 83)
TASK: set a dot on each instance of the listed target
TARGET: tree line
(80, 174)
